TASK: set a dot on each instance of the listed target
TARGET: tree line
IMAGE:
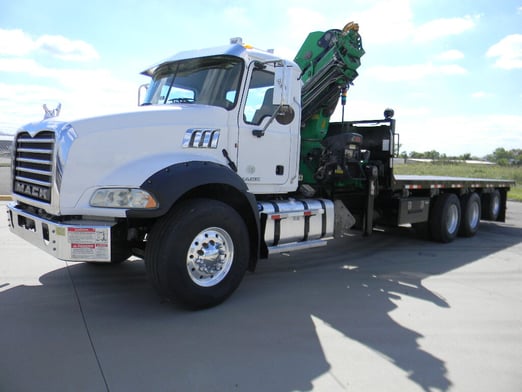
(500, 156)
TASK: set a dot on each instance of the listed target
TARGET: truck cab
(257, 130)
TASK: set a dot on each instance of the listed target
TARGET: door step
(295, 246)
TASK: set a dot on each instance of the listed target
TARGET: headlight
(123, 198)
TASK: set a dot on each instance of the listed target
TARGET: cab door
(267, 148)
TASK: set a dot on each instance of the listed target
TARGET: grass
(467, 170)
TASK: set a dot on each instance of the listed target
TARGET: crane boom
(329, 62)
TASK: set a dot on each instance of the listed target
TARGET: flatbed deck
(405, 181)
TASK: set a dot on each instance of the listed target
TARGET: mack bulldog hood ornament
(49, 113)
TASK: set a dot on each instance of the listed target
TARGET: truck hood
(150, 117)
(125, 149)
(144, 117)
(147, 133)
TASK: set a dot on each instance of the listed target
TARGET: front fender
(203, 179)
(172, 183)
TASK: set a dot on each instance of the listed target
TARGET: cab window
(259, 103)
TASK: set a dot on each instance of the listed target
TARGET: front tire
(445, 218)
(198, 253)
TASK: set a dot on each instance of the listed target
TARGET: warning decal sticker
(89, 243)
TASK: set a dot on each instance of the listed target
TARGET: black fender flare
(172, 183)
(183, 180)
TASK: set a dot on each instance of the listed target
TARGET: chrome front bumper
(70, 241)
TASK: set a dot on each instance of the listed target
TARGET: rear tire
(445, 218)
(491, 205)
(198, 253)
(471, 208)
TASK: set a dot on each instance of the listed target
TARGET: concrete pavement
(386, 313)
(5, 187)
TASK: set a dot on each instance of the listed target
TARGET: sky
(450, 69)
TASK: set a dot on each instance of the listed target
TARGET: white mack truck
(230, 157)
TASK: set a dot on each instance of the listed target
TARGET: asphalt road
(386, 313)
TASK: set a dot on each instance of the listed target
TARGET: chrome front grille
(33, 165)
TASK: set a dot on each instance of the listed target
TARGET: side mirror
(282, 85)
(144, 88)
(285, 115)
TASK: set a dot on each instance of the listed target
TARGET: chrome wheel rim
(453, 218)
(474, 217)
(210, 257)
(495, 204)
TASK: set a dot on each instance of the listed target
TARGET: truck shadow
(322, 317)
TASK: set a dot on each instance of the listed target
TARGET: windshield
(208, 81)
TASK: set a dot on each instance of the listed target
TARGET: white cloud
(15, 43)
(21, 65)
(64, 76)
(296, 31)
(413, 72)
(23, 103)
(299, 30)
(386, 21)
(66, 49)
(450, 55)
(393, 21)
(480, 94)
(444, 27)
(18, 43)
(82, 93)
(508, 52)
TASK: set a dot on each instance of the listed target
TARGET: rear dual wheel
(491, 205)
(450, 216)
(471, 213)
(445, 218)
